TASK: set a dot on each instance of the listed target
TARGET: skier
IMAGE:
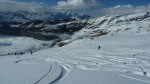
(31, 52)
(99, 47)
(21, 53)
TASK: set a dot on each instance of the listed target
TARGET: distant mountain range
(24, 16)
(71, 26)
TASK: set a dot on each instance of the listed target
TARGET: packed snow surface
(122, 59)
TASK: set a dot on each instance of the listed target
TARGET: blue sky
(91, 7)
(110, 3)
(104, 3)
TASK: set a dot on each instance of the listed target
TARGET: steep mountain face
(134, 23)
(68, 26)
(19, 17)
(67, 30)
(89, 26)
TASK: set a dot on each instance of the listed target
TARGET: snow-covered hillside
(11, 44)
(128, 23)
(24, 16)
(123, 58)
(92, 27)
(120, 59)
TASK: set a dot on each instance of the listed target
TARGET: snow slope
(12, 44)
(124, 57)
(28, 71)
(119, 55)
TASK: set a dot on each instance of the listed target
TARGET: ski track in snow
(55, 73)
(135, 78)
(97, 60)
(43, 76)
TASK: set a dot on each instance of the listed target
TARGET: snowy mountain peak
(24, 16)
(85, 28)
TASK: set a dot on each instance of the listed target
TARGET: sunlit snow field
(123, 59)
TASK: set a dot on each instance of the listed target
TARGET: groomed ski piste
(123, 58)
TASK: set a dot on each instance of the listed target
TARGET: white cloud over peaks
(13, 6)
(76, 4)
(4, 0)
(121, 10)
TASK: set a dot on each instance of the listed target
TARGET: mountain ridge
(24, 16)
(78, 28)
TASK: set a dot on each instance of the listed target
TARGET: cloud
(13, 6)
(121, 10)
(4, 0)
(76, 4)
